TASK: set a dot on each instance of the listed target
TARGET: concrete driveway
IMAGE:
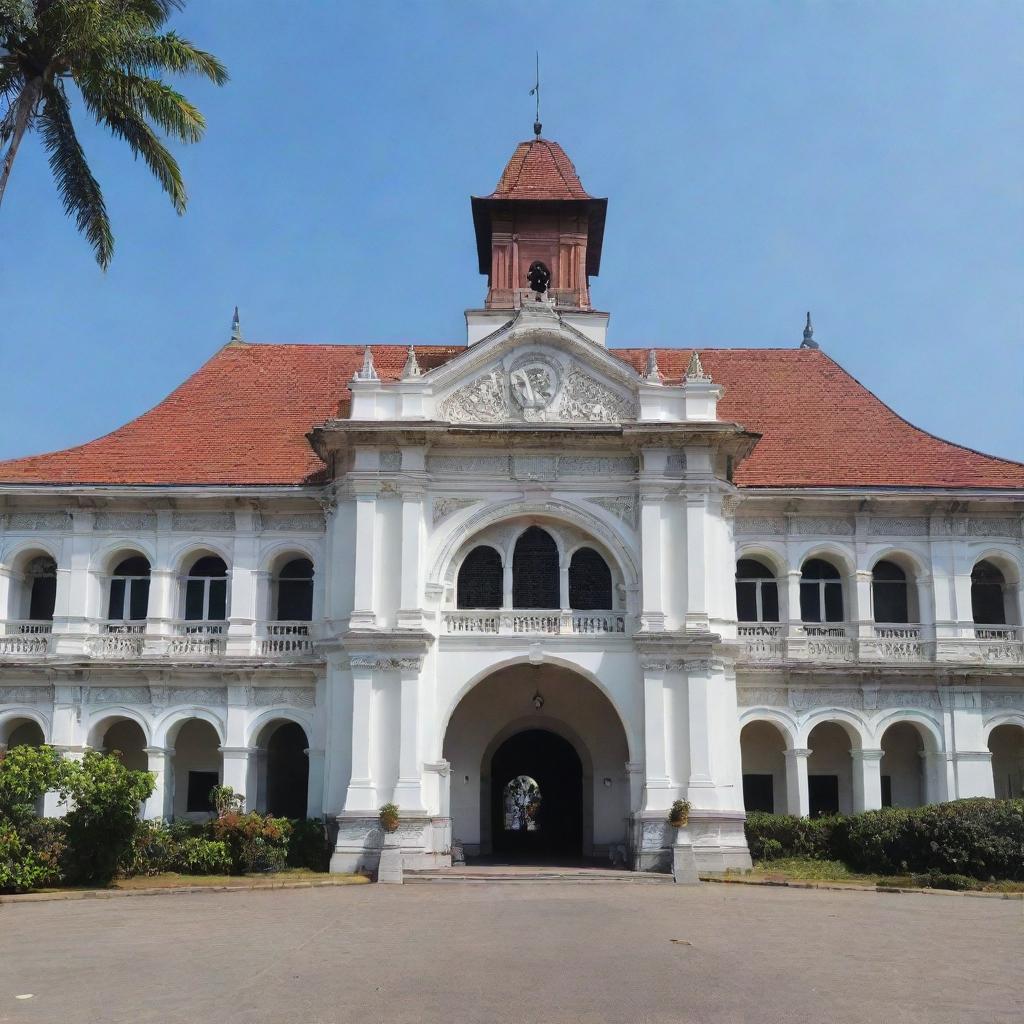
(490, 953)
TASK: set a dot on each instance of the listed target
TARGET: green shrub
(881, 842)
(48, 840)
(194, 855)
(788, 835)
(20, 867)
(978, 837)
(26, 773)
(308, 845)
(945, 880)
(104, 820)
(255, 842)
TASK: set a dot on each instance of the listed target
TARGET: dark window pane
(890, 601)
(590, 581)
(751, 569)
(194, 590)
(833, 602)
(43, 598)
(746, 602)
(298, 569)
(819, 569)
(770, 602)
(116, 609)
(810, 602)
(987, 605)
(888, 571)
(218, 600)
(535, 571)
(199, 786)
(137, 565)
(759, 793)
(139, 603)
(480, 580)
(887, 791)
(209, 565)
(823, 791)
(295, 600)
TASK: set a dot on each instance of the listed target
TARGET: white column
(71, 606)
(7, 585)
(563, 587)
(235, 772)
(163, 595)
(160, 761)
(410, 614)
(798, 799)
(698, 687)
(652, 614)
(860, 611)
(506, 584)
(409, 791)
(791, 581)
(362, 793)
(363, 611)
(657, 782)
(696, 562)
(867, 780)
(315, 787)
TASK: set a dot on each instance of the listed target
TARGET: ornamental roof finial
(535, 91)
(652, 374)
(367, 372)
(236, 327)
(412, 367)
(809, 341)
(694, 369)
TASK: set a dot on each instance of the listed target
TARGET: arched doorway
(763, 755)
(556, 728)
(1006, 742)
(286, 784)
(537, 797)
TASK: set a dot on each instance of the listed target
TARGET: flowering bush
(254, 842)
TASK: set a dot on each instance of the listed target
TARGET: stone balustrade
(534, 622)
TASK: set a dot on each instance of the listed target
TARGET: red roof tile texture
(242, 419)
(539, 169)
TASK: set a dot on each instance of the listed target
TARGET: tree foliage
(111, 54)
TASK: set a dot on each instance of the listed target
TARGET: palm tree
(113, 51)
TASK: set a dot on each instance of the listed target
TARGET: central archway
(555, 728)
(537, 797)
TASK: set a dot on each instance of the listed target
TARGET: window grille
(590, 581)
(480, 580)
(535, 571)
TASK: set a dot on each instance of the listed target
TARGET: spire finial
(412, 366)
(367, 372)
(535, 91)
(652, 374)
(695, 369)
(236, 327)
(808, 341)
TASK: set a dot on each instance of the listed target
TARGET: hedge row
(978, 838)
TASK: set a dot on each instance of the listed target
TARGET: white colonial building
(443, 576)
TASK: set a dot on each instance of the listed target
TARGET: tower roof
(539, 171)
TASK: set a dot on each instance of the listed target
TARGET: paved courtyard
(490, 953)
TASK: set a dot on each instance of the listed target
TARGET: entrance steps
(514, 873)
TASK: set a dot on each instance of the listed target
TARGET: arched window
(41, 579)
(821, 592)
(480, 579)
(889, 593)
(590, 582)
(129, 590)
(206, 590)
(295, 591)
(987, 604)
(535, 571)
(757, 593)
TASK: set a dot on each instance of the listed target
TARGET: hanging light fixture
(538, 700)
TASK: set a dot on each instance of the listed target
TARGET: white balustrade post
(867, 780)
(798, 799)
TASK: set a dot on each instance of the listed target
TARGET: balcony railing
(203, 639)
(884, 642)
(285, 638)
(25, 637)
(533, 622)
(118, 640)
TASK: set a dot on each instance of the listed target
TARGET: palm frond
(158, 101)
(169, 52)
(79, 190)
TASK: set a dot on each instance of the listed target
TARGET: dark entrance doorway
(287, 771)
(537, 797)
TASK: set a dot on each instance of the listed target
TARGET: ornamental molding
(299, 522)
(196, 522)
(761, 525)
(675, 465)
(886, 699)
(117, 695)
(122, 522)
(283, 696)
(38, 520)
(623, 506)
(821, 526)
(534, 380)
(898, 526)
(804, 700)
(748, 697)
(484, 400)
(26, 694)
(381, 663)
(494, 465)
(167, 696)
(442, 508)
(977, 526)
(533, 467)
(390, 462)
(586, 399)
(995, 699)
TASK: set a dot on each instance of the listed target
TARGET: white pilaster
(363, 612)
(410, 614)
(798, 798)
(652, 615)
(362, 793)
(867, 780)
(160, 761)
(409, 791)
(696, 562)
(657, 784)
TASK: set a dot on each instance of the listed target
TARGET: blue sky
(861, 160)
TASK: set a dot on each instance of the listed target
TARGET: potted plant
(679, 815)
(388, 816)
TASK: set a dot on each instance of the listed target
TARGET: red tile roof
(539, 169)
(242, 418)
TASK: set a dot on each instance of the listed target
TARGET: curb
(853, 887)
(109, 894)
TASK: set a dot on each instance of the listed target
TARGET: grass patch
(173, 880)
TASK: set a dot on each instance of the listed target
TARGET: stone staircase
(519, 874)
